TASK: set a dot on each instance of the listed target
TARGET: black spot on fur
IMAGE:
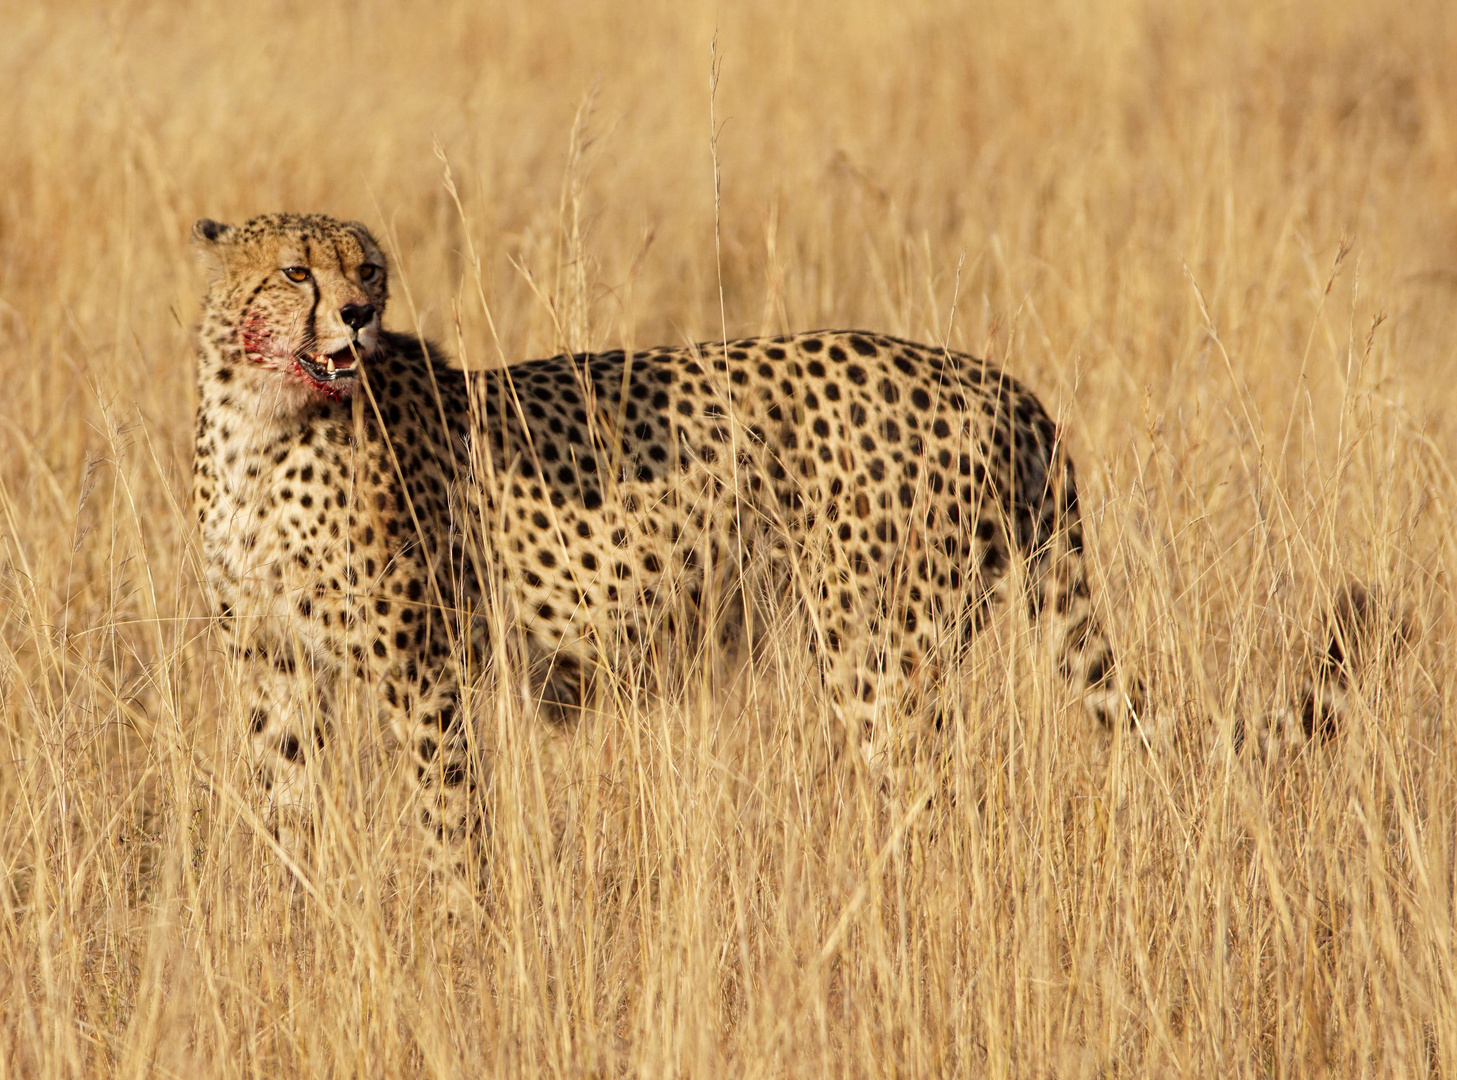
(289, 747)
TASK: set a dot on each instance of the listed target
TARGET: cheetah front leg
(424, 710)
(286, 730)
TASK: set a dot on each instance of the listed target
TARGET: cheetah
(355, 494)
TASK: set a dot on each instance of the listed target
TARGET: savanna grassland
(1220, 241)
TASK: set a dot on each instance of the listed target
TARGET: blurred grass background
(1221, 242)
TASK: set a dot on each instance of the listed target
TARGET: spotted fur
(904, 492)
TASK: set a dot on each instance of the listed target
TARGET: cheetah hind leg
(1084, 657)
(883, 724)
(1082, 654)
(562, 686)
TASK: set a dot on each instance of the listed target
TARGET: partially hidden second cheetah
(355, 491)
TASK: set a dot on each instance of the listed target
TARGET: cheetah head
(295, 299)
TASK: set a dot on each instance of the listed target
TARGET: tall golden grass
(1221, 242)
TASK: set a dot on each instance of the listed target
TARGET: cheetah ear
(208, 231)
(361, 230)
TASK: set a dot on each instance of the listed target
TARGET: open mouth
(331, 367)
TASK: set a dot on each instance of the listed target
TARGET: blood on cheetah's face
(299, 296)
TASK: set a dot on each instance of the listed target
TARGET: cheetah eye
(296, 273)
(367, 271)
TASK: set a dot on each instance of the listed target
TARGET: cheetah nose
(357, 316)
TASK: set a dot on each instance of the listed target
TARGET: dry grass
(1221, 240)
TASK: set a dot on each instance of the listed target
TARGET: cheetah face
(299, 298)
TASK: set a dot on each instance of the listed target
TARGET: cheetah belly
(631, 564)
